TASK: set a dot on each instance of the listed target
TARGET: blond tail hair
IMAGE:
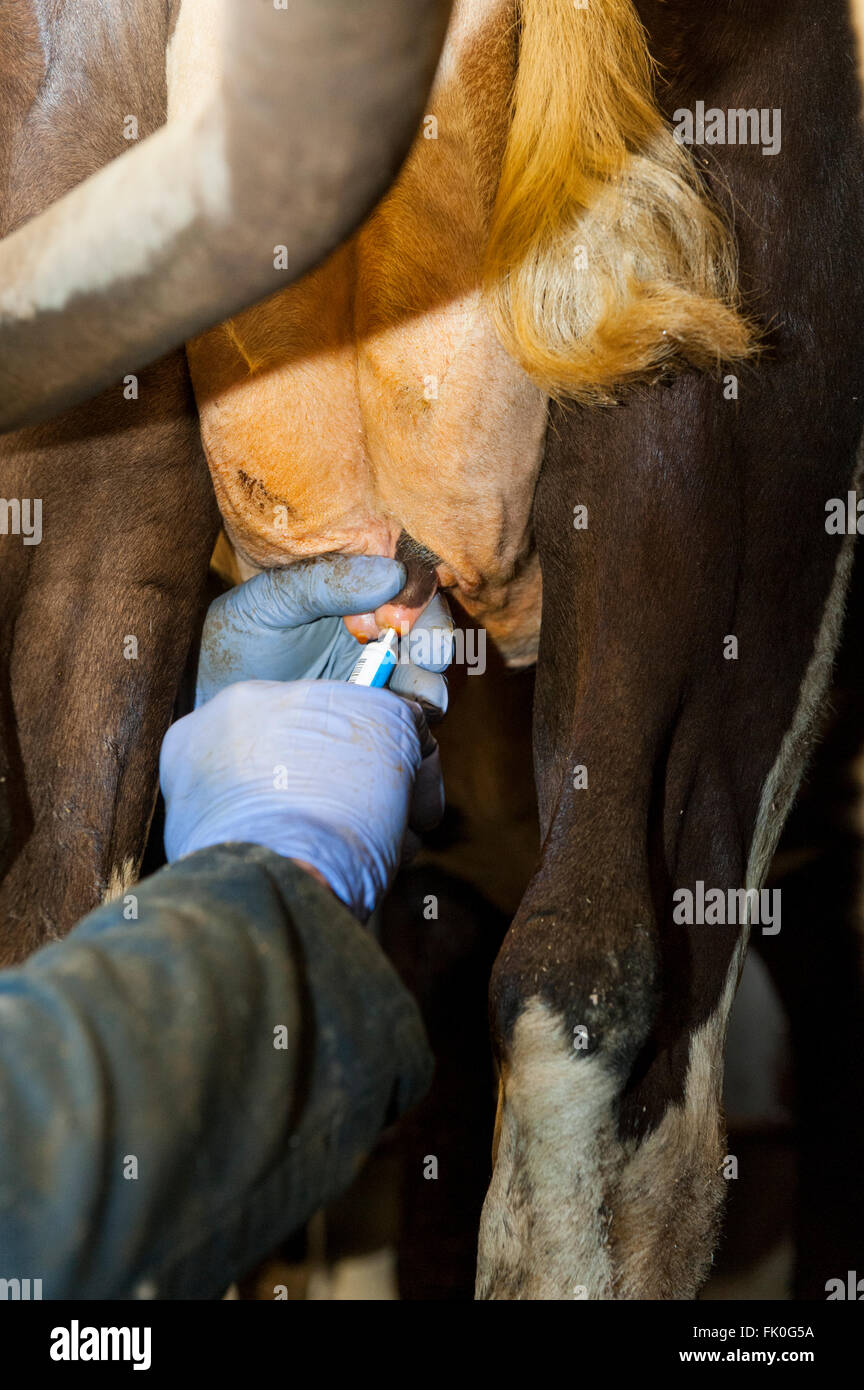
(606, 260)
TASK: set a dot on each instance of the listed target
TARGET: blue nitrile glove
(319, 771)
(286, 625)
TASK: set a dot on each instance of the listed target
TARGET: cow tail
(607, 260)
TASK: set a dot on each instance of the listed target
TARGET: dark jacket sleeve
(180, 1092)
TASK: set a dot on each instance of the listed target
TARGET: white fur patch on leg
(122, 877)
(574, 1212)
(543, 1232)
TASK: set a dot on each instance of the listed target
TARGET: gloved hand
(319, 771)
(286, 625)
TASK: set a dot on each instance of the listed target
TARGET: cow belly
(373, 398)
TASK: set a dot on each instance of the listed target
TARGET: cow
(547, 240)
(608, 1016)
(106, 264)
(706, 541)
(343, 413)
